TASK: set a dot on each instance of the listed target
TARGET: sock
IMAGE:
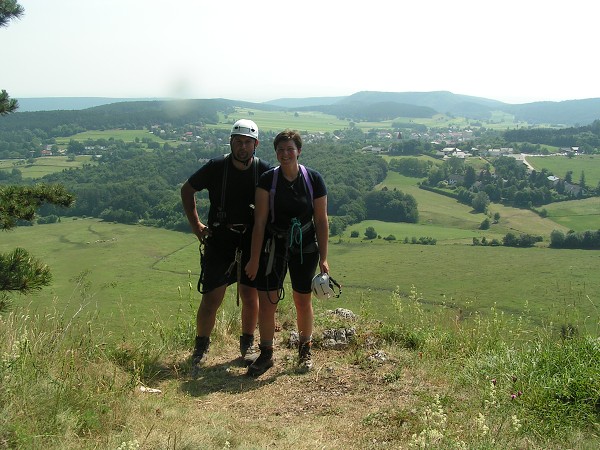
(266, 343)
(305, 339)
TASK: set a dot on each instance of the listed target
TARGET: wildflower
(519, 393)
(481, 424)
(494, 381)
(513, 396)
(516, 423)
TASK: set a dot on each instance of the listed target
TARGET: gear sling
(239, 228)
(296, 230)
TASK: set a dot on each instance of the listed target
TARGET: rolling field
(313, 121)
(119, 135)
(277, 121)
(132, 275)
(44, 166)
(577, 215)
(444, 212)
(559, 165)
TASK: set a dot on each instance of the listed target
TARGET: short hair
(288, 135)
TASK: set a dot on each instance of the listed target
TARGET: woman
(290, 233)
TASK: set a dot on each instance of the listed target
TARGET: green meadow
(45, 165)
(134, 274)
(276, 121)
(118, 135)
(560, 165)
(313, 121)
(577, 215)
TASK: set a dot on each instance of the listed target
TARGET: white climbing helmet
(245, 127)
(323, 286)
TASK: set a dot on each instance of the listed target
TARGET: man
(226, 236)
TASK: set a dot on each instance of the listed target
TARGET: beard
(243, 156)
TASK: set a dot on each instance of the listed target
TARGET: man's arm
(188, 200)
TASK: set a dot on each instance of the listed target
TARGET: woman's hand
(324, 266)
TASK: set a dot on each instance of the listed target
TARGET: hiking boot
(200, 350)
(263, 363)
(247, 349)
(305, 362)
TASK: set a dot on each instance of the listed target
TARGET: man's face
(242, 147)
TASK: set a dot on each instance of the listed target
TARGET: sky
(515, 51)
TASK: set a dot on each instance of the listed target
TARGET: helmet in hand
(323, 287)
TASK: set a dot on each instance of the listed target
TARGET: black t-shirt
(239, 190)
(292, 199)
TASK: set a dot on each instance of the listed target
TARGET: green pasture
(117, 264)
(313, 121)
(446, 213)
(45, 165)
(117, 135)
(559, 165)
(275, 121)
(132, 275)
(577, 215)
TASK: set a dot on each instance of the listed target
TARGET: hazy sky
(513, 51)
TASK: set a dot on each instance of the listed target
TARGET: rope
(296, 236)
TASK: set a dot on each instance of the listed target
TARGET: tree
(18, 270)
(470, 177)
(582, 180)
(9, 9)
(370, 233)
(480, 202)
(569, 176)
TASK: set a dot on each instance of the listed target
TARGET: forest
(138, 182)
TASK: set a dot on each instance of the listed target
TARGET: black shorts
(219, 255)
(301, 267)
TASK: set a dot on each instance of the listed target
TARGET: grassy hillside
(45, 165)
(119, 135)
(115, 263)
(455, 346)
(559, 165)
(577, 215)
(435, 209)
(139, 274)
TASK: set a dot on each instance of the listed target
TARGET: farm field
(314, 121)
(441, 211)
(119, 135)
(559, 165)
(276, 121)
(132, 275)
(577, 215)
(45, 165)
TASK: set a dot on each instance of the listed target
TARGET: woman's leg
(304, 315)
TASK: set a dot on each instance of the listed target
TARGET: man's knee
(211, 301)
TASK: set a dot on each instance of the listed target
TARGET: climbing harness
(221, 214)
(235, 228)
(237, 260)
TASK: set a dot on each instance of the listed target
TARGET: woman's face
(287, 152)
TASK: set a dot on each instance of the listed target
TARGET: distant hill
(303, 102)
(567, 113)
(69, 103)
(361, 106)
